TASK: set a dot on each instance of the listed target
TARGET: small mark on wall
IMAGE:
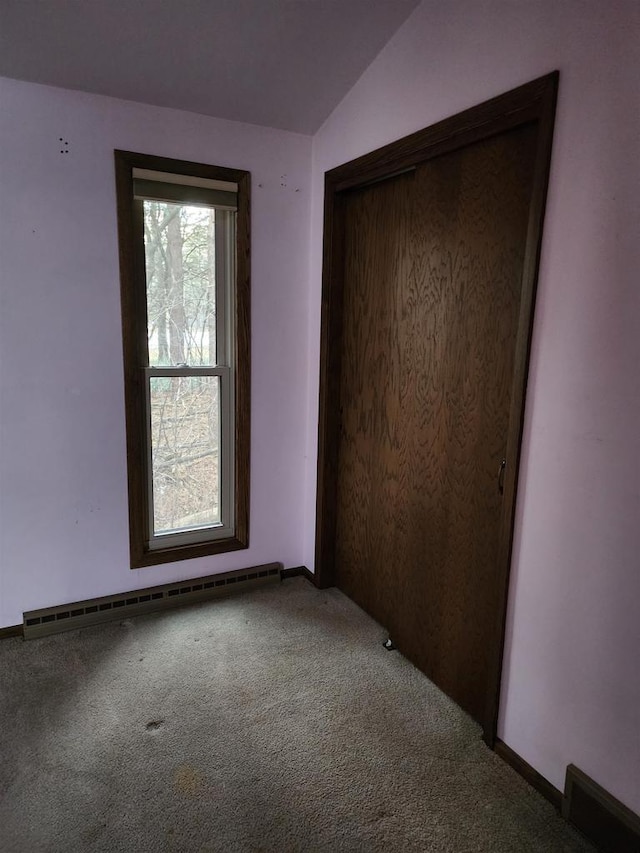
(154, 725)
(283, 183)
(64, 145)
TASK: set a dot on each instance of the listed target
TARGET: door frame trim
(532, 102)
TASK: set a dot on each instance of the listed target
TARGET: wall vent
(67, 617)
(611, 826)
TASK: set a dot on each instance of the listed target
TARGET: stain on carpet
(188, 780)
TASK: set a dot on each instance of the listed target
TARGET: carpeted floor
(273, 721)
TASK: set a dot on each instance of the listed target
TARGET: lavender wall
(571, 687)
(63, 489)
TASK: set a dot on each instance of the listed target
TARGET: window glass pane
(179, 244)
(185, 451)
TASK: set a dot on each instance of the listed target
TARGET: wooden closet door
(432, 280)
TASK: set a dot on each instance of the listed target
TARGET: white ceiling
(280, 63)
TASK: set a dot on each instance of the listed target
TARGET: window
(184, 266)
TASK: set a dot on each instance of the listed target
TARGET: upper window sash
(224, 272)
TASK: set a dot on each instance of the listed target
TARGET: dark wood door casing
(526, 114)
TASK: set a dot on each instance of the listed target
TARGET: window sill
(187, 552)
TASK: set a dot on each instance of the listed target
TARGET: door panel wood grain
(431, 251)
(433, 263)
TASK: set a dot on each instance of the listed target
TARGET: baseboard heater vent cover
(67, 617)
(611, 826)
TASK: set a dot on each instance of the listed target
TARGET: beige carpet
(274, 721)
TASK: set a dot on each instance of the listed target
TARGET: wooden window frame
(135, 354)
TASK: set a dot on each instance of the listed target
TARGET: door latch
(501, 470)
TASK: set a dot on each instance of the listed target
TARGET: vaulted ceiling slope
(279, 63)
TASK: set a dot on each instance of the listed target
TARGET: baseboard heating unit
(67, 617)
